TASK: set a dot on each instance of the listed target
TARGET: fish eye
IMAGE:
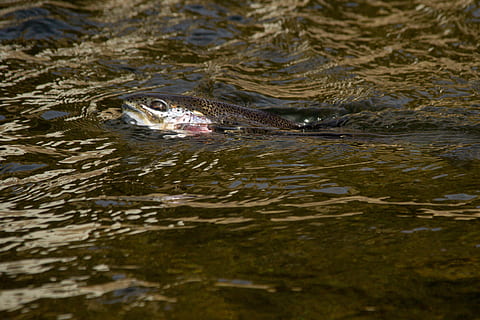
(159, 104)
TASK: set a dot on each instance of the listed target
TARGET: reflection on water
(99, 218)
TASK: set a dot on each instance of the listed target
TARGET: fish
(198, 115)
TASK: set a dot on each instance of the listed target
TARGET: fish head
(162, 112)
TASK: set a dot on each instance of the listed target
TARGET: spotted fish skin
(202, 111)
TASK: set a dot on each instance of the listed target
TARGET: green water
(103, 220)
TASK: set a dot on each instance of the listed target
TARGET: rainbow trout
(191, 114)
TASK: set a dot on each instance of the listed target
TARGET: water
(100, 219)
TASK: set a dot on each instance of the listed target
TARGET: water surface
(99, 219)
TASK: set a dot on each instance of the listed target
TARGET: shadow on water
(375, 219)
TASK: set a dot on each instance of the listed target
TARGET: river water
(103, 220)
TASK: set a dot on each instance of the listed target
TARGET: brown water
(101, 220)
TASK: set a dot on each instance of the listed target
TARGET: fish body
(177, 112)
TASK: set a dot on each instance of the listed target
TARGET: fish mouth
(127, 106)
(135, 116)
(141, 109)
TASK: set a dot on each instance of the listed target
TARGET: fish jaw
(141, 113)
